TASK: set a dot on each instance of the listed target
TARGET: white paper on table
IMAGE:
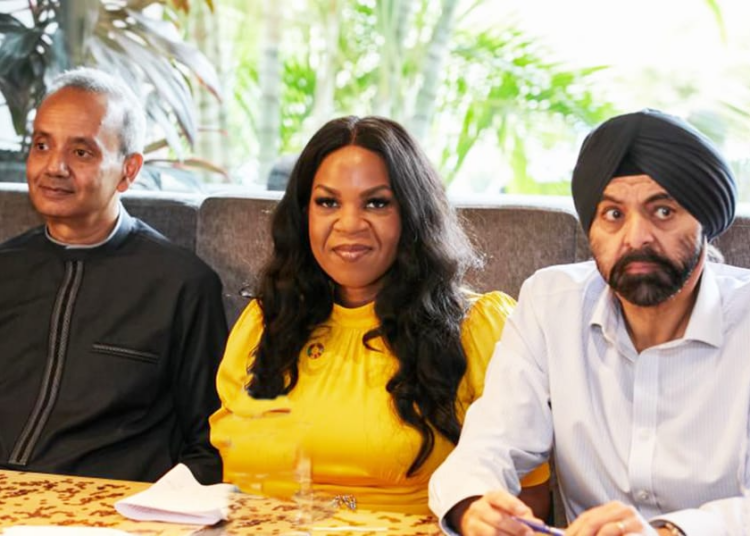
(47, 530)
(178, 497)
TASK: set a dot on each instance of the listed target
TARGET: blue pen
(540, 527)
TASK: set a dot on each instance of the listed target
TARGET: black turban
(678, 157)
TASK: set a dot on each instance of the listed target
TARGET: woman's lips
(351, 252)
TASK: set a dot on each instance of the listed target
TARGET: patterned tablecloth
(37, 499)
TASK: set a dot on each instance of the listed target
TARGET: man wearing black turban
(671, 158)
(668, 150)
(633, 367)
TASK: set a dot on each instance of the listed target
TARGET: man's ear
(131, 166)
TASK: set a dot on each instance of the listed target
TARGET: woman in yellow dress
(362, 321)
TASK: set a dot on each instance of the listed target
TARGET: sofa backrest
(516, 238)
(173, 215)
(734, 244)
(16, 213)
(517, 234)
(234, 238)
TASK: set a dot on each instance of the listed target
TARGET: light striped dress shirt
(665, 430)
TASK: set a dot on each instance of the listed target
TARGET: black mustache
(643, 255)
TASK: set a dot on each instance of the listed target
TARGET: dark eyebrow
(610, 198)
(663, 196)
(366, 193)
(660, 196)
(375, 190)
(329, 191)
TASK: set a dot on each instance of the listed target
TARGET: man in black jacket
(110, 336)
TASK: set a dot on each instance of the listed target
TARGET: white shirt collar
(706, 321)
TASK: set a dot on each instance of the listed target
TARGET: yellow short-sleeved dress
(356, 441)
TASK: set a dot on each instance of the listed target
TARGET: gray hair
(133, 131)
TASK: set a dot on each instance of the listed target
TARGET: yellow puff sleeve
(232, 376)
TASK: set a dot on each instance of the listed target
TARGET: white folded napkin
(46, 530)
(178, 497)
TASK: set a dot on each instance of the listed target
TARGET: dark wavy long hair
(421, 304)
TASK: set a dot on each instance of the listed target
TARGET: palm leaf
(159, 116)
(155, 33)
(119, 63)
(713, 5)
(160, 74)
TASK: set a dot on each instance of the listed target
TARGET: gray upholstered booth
(233, 237)
(173, 215)
(516, 237)
(516, 234)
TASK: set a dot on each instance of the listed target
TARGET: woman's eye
(378, 202)
(325, 202)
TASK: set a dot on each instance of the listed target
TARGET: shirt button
(644, 434)
(643, 495)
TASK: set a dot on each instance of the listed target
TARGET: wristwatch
(673, 529)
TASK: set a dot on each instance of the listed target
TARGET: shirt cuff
(442, 512)
(446, 529)
(694, 522)
(443, 498)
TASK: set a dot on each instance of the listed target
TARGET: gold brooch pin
(315, 350)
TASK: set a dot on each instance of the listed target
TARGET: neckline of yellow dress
(363, 316)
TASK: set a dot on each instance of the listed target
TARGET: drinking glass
(279, 465)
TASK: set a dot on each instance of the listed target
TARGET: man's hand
(490, 515)
(611, 519)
